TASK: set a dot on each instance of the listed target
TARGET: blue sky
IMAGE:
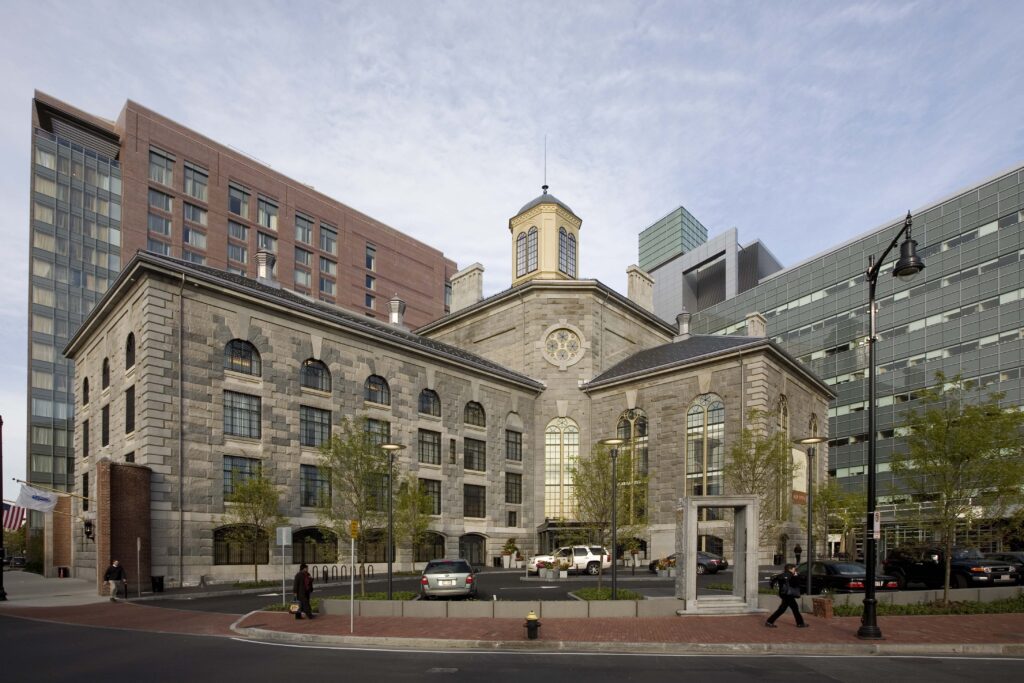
(801, 124)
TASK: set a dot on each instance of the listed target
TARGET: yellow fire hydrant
(532, 624)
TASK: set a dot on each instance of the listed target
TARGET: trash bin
(496, 561)
(62, 572)
(158, 583)
(777, 560)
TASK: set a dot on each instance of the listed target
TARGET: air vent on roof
(73, 133)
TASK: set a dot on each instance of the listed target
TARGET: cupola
(545, 240)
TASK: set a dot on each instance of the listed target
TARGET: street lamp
(391, 448)
(810, 442)
(908, 265)
(614, 444)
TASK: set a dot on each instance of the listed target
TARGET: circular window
(563, 347)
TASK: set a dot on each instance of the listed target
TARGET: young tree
(592, 487)
(837, 509)
(252, 512)
(413, 507)
(356, 467)
(964, 456)
(760, 464)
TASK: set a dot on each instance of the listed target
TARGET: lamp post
(391, 448)
(810, 442)
(907, 266)
(614, 444)
(3, 550)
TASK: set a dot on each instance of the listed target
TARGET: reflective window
(241, 356)
(196, 181)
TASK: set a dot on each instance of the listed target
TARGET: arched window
(430, 403)
(572, 256)
(531, 250)
(561, 451)
(430, 547)
(375, 542)
(314, 546)
(474, 415)
(705, 448)
(240, 545)
(241, 356)
(563, 251)
(129, 351)
(315, 375)
(105, 374)
(784, 494)
(376, 390)
(85, 391)
(632, 428)
(521, 255)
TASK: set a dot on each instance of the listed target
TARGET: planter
(550, 573)
(663, 572)
(671, 573)
(563, 573)
(506, 560)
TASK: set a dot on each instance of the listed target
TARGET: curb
(779, 649)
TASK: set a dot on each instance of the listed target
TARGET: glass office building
(677, 233)
(962, 315)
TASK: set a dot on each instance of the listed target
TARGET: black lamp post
(614, 444)
(3, 550)
(391, 448)
(908, 265)
(810, 442)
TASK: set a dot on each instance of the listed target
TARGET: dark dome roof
(546, 198)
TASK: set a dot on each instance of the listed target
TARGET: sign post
(353, 532)
(284, 539)
(138, 565)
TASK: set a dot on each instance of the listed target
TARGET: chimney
(683, 322)
(467, 287)
(640, 288)
(265, 268)
(396, 315)
(757, 325)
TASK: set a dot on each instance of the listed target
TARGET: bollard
(532, 624)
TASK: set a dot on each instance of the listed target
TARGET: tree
(964, 457)
(252, 512)
(413, 507)
(837, 509)
(760, 464)
(356, 467)
(592, 487)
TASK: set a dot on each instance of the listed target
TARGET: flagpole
(52, 490)
(3, 550)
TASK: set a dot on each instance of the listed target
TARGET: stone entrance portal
(745, 555)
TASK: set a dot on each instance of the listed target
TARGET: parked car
(1013, 557)
(447, 579)
(580, 558)
(968, 567)
(707, 563)
(837, 576)
(18, 561)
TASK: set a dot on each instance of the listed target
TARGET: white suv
(581, 558)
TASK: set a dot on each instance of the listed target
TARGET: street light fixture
(391, 448)
(614, 444)
(907, 266)
(810, 442)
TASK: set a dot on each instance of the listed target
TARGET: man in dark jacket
(115, 577)
(303, 588)
(789, 591)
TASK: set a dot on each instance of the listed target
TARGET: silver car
(448, 578)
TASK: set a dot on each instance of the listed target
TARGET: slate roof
(546, 199)
(356, 323)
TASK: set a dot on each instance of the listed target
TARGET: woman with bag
(302, 587)
(789, 591)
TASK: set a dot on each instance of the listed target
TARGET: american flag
(14, 517)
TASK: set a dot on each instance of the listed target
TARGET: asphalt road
(502, 584)
(39, 651)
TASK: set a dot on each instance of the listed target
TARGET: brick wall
(122, 516)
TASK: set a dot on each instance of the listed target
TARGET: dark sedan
(707, 563)
(1014, 558)
(835, 576)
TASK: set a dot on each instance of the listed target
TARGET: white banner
(34, 499)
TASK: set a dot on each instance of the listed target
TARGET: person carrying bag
(789, 591)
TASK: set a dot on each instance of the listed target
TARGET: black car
(707, 563)
(841, 576)
(1011, 557)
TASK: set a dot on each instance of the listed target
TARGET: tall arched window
(563, 251)
(430, 403)
(376, 390)
(632, 428)
(521, 255)
(474, 415)
(315, 375)
(561, 451)
(785, 494)
(129, 351)
(85, 391)
(105, 374)
(241, 356)
(705, 448)
(531, 250)
(572, 256)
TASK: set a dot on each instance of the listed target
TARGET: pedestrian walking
(789, 591)
(115, 576)
(798, 551)
(303, 588)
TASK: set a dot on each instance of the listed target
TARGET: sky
(802, 124)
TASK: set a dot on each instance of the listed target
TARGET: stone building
(198, 376)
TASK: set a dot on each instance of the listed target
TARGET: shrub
(1004, 606)
(606, 594)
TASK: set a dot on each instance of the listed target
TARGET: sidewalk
(71, 601)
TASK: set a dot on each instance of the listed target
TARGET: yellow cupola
(545, 240)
